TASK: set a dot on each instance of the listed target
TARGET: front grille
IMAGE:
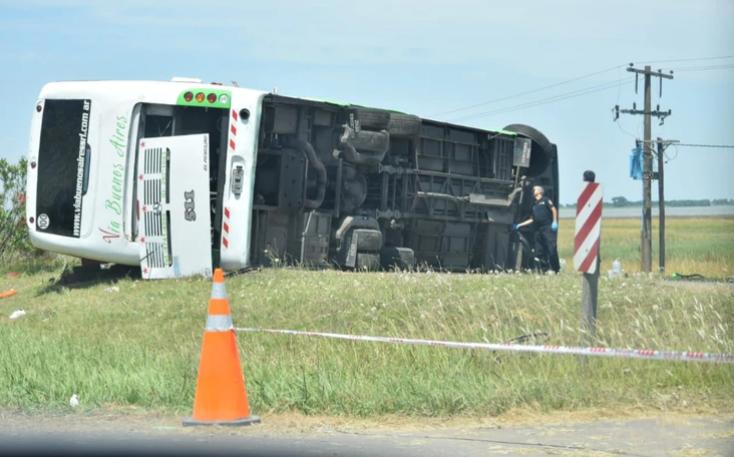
(153, 160)
(153, 224)
(154, 254)
(155, 218)
(152, 191)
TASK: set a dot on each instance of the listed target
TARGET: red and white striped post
(586, 251)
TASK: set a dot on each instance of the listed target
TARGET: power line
(689, 59)
(713, 146)
(552, 99)
(532, 91)
(595, 73)
(623, 130)
(706, 68)
(619, 93)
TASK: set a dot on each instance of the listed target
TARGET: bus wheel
(532, 133)
(369, 261)
(541, 150)
(404, 125)
(372, 119)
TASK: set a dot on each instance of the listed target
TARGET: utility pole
(646, 232)
(661, 201)
(661, 207)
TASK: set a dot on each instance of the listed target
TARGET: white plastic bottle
(616, 269)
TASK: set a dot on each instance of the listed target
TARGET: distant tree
(684, 203)
(620, 201)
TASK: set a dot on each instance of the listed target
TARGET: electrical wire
(543, 101)
(708, 68)
(625, 131)
(619, 93)
(552, 99)
(667, 156)
(619, 89)
(689, 59)
(588, 75)
(527, 92)
(713, 146)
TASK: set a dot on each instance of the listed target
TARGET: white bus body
(177, 177)
(83, 187)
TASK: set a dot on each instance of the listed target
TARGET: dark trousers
(545, 248)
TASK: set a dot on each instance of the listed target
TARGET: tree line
(622, 202)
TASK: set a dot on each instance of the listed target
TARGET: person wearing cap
(545, 224)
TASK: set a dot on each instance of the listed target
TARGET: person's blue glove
(554, 226)
(515, 227)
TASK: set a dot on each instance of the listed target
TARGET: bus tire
(541, 151)
(367, 140)
(368, 261)
(372, 119)
(404, 125)
(532, 133)
(368, 239)
(397, 257)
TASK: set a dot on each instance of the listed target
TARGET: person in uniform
(545, 224)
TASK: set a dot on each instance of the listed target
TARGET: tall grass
(140, 345)
(137, 343)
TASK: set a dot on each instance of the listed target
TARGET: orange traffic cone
(221, 398)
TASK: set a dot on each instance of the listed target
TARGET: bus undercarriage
(363, 188)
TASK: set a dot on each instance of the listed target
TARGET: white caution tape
(649, 354)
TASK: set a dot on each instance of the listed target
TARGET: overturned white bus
(181, 176)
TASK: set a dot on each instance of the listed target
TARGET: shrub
(14, 242)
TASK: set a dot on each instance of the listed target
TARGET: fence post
(589, 294)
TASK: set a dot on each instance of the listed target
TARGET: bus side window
(159, 121)
(157, 126)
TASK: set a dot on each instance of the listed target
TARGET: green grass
(140, 345)
(693, 245)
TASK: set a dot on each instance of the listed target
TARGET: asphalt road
(684, 436)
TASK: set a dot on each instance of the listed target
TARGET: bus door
(174, 220)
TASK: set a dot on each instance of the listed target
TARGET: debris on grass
(17, 313)
(8, 293)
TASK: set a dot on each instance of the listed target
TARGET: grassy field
(693, 245)
(137, 343)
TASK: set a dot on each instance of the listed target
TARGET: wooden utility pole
(646, 231)
(661, 207)
(661, 201)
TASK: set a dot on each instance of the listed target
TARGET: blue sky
(424, 57)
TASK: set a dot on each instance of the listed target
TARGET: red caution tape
(650, 354)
